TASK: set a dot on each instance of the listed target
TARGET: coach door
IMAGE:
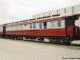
(45, 25)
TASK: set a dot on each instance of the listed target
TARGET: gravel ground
(25, 50)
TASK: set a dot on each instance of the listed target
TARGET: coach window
(31, 25)
(64, 10)
(34, 25)
(25, 24)
(21, 26)
(59, 23)
(40, 25)
(52, 23)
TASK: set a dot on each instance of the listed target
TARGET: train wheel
(67, 41)
(39, 39)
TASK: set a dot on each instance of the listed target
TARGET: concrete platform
(25, 50)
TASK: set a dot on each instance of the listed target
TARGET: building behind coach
(56, 26)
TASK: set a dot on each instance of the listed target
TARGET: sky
(15, 10)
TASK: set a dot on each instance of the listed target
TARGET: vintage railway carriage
(56, 27)
(51, 29)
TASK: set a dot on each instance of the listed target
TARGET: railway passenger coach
(53, 28)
